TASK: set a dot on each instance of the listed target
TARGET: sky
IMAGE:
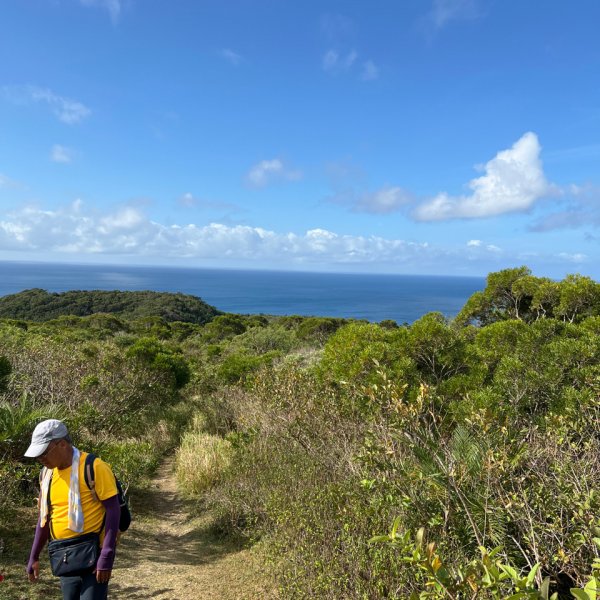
(452, 137)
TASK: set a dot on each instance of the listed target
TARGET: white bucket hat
(43, 434)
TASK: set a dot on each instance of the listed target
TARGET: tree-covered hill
(40, 305)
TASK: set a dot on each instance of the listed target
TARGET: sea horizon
(370, 296)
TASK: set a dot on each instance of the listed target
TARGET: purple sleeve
(39, 541)
(111, 530)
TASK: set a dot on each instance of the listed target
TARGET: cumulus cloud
(66, 110)
(233, 57)
(268, 171)
(127, 231)
(60, 154)
(474, 243)
(513, 181)
(112, 6)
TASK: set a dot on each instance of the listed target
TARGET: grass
(201, 459)
(15, 543)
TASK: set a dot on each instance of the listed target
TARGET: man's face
(54, 455)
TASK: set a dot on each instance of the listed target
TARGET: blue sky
(405, 136)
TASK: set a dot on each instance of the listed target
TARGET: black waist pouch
(74, 554)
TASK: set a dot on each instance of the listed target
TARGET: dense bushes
(477, 436)
(114, 389)
(316, 434)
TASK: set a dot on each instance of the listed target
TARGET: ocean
(374, 297)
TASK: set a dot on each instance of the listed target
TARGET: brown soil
(170, 554)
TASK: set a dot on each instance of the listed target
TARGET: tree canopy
(40, 305)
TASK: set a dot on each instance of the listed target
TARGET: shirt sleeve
(107, 554)
(106, 486)
(39, 541)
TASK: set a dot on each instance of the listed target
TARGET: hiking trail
(170, 554)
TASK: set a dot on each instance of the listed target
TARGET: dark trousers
(83, 587)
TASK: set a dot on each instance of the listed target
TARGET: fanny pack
(74, 554)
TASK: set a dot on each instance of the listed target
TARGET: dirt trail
(169, 555)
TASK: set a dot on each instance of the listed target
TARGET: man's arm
(39, 541)
(111, 530)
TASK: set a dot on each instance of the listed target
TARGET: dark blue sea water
(403, 298)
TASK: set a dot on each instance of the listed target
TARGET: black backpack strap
(90, 481)
(88, 473)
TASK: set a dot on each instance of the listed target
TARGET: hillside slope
(40, 305)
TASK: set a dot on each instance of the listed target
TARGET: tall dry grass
(201, 460)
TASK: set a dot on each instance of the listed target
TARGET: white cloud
(233, 57)
(336, 26)
(74, 229)
(66, 110)
(330, 60)
(267, 171)
(188, 200)
(60, 154)
(370, 71)
(384, 201)
(349, 60)
(333, 61)
(6, 182)
(443, 11)
(481, 246)
(513, 182)
(573, 258)
(112, 6)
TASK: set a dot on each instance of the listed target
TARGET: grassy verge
(16, 538)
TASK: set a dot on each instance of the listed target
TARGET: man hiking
(81, 522)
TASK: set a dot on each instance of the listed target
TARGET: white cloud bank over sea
(77, 232)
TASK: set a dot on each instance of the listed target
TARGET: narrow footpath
(169, 555)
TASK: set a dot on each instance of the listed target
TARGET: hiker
(81, 522)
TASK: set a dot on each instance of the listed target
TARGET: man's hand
(103, 576)
(35, 571)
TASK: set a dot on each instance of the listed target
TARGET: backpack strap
(88, 473)
(48, 500)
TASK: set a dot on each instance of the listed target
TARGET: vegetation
(474, 443)
(40, 305)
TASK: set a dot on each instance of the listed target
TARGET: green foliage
(499, 300)
(516, 294)
(39, 305)
(318, 329)
(223, 327)
(352, 353)
(487, 576)
(487, 436)
(160, 357)
(237, 367)
(5, 371)
(483, 432)
(16, 423)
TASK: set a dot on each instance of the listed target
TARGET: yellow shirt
(93, 511)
